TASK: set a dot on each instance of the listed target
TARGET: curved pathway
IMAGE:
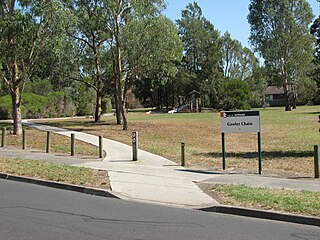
(152, 178)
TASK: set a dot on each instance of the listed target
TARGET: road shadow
(265, 154)
(75, 125)
(200, 171)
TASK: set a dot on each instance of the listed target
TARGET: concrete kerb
(58, 185)
(232, 210)
(270, 215)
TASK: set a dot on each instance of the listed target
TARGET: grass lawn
(299, 202)
(36, 139)
(287, 137)
(55, 172)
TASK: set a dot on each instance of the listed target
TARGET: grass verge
(298, 202)
(36, 139)
(55, 172)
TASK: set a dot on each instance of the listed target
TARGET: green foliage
(152, 49)
(202, 53)
(39, 87)
(83, 97)
(106, 105)
(236, 95)
(280, 33)
(56, 104)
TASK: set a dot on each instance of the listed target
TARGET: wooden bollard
(3, 138)
(183, 160)
(24, 139)
(72, 144)
(100, 147)
(316, 161)
(48, 146)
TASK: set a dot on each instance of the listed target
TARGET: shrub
(236, 95)
(36, 106)
(107, 105)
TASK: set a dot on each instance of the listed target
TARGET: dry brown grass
(288, 139)
(36, 139)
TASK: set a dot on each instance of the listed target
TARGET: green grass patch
(301, 202)
(54, 172)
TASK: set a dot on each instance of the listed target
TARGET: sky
(225, 15)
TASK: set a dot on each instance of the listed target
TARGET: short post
(24, 139)
(260, 152)
(316, 161)
(100, 146)
(134, 146)
(3, 142)
(72, 144)
(48, 147)
(183, 162)
(224, 163)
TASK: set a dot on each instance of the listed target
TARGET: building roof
(274, 90)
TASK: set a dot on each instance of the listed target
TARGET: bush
(84, 97)
(36, 106)
(106, 105)
(39, 87)
(236, 95)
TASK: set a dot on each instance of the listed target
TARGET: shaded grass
(36, 139)
(287, 138)
(300, 202)
(54, 172)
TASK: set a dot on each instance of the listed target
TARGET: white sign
(240, 121)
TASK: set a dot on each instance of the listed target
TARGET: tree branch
(83, 81)
(80, 39)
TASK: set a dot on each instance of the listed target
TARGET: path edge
(60, 185)
(269, 215)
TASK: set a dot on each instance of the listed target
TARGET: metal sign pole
(260, 152)
(224, 164)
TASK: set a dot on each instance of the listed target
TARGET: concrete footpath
(153, 178)
(150, 179)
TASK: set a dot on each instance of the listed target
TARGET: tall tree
(152, 49)
(93, 39)
(280, 33)
(120, 13)
(24, 28)
(231, 56)
(202, 58)
(315, 31)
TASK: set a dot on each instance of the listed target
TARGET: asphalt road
(35, 212)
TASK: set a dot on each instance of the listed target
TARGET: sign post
(240, 121)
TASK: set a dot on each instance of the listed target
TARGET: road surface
(35, 212)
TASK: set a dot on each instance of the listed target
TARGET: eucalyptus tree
(93, 40)
(238, 62)
(25, 29)
(119, 14)
(202, 58)
(315, 31)
(231, 56)
(280, 33)
(152, 51)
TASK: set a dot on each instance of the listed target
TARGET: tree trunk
(117, 105)
(285, 86)
(16, 112)
(97, 114)
(118, 73)
(123, 111)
